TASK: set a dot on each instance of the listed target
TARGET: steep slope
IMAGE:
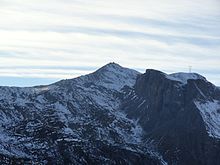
(180, 113)
(76, 121)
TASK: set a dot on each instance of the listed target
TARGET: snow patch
(210, 112)
(184, 77)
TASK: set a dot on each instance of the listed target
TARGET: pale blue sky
(43, 41)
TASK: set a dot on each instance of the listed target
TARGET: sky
(43, 41)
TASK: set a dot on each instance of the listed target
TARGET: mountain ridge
(116, 65)
(113, 115)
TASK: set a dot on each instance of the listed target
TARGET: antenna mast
(190, 69)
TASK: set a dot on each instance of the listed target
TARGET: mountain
(115, 115)
(180, 112)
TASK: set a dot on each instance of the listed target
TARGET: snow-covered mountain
(115, 115)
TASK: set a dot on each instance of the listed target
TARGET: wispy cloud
(67, 38)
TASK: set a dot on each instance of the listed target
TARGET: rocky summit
(115, 115)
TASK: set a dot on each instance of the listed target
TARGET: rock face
(180, 113)
(112, 116)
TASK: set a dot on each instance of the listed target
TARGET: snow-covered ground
(184, 77)
(210, 111)
(79, 110)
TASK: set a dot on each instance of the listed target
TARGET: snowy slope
(184, 77)
(111, 76)
(210, 111)
(84, 112)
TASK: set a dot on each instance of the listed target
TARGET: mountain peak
(111, 76)
(111, 66)
(114, 76)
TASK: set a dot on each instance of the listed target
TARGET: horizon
(32, 82)
(46, 41)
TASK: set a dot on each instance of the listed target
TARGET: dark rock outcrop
(166, 110)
